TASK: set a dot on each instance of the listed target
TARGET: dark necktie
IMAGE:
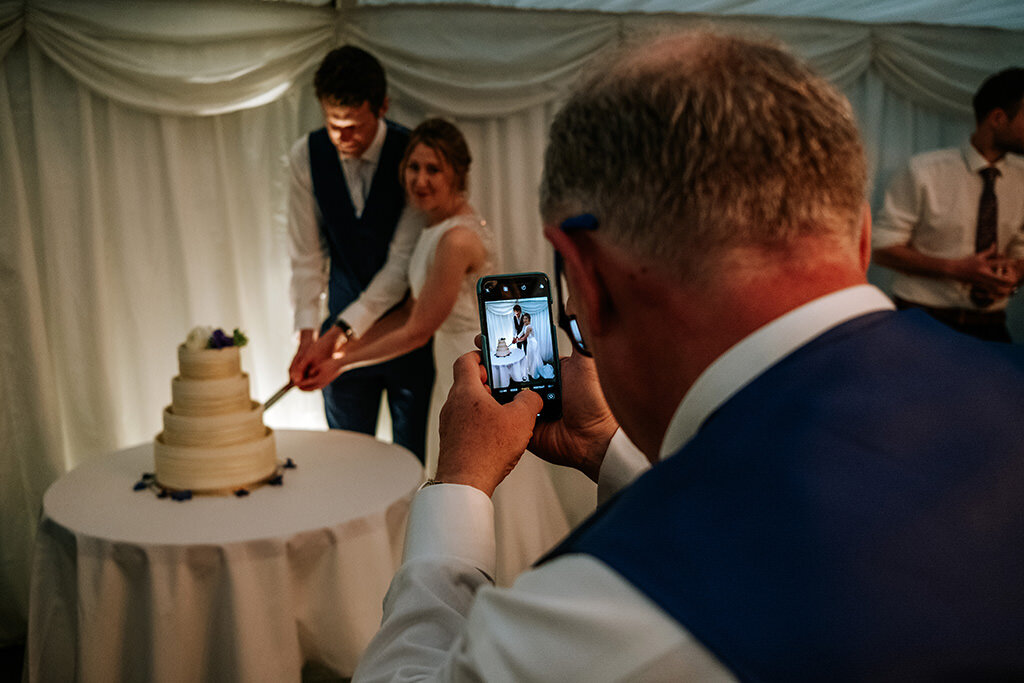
(988, 214)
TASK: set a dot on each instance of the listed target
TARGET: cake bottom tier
(219, 469)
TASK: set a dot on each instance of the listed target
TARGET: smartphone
(520, 347)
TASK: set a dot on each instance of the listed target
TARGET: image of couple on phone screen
(521, 350)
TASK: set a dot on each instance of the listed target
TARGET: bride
(450, 255)
(533, 360)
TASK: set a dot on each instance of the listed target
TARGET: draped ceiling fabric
(142, 173)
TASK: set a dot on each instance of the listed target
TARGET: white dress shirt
(932, 207)
(573, 618)
(308, 250)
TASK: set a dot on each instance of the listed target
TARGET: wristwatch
(346, 329)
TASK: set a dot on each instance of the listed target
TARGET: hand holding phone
(471, 424)
(518, 341)
(580, 438)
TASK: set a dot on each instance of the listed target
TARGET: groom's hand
(481, 439)
(320, 364)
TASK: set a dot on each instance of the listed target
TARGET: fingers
(297, 371)
(310, 380)
(469, 373)
(319, 375)
(467, 366)
(998, 280)
(992, 250)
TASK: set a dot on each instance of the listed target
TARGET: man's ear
(383, 107)
(589, 296)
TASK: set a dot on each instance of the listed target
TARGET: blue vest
(358, 246)
(855, 513)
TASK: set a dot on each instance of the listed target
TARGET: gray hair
(693, 144)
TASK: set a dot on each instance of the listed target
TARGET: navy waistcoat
(854, 513)
(358, 246)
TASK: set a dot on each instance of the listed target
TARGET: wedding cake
(214, 440)
(502, 349)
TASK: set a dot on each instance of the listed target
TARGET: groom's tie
(988, 215)
(358, 183)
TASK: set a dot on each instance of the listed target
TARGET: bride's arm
(459, 251)
(384, 325)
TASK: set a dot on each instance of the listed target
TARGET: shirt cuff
(307, 321)
(623, 463)
(358, 317)
(882, 238)
(452, 520)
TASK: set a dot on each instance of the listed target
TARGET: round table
(129, 586)
(508, 368)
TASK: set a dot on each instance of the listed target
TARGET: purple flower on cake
(218, 340)
(206, 337)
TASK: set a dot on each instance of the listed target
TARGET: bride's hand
(322, 372)
(313, 353)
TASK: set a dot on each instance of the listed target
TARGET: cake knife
(277, 396)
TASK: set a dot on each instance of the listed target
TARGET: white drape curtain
(1008, 14)
(142, 177)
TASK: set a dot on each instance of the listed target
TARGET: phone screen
(520, 348)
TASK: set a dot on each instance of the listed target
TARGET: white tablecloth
(130, 587)
(508, 368)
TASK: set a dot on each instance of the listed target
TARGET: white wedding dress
(533, 362)
(528, 517)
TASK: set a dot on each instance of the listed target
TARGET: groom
(346, 214)
(517, 321)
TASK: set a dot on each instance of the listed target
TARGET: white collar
(757, 352)
(975, 162)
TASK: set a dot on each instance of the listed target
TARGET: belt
(956, 316)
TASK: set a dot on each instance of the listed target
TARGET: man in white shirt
(813, 497)
(929, 228)
(350, 239)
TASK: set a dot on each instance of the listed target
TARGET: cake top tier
(209, 363)
(209, 353)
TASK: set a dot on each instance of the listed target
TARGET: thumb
(528, 402)
(467, 372)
